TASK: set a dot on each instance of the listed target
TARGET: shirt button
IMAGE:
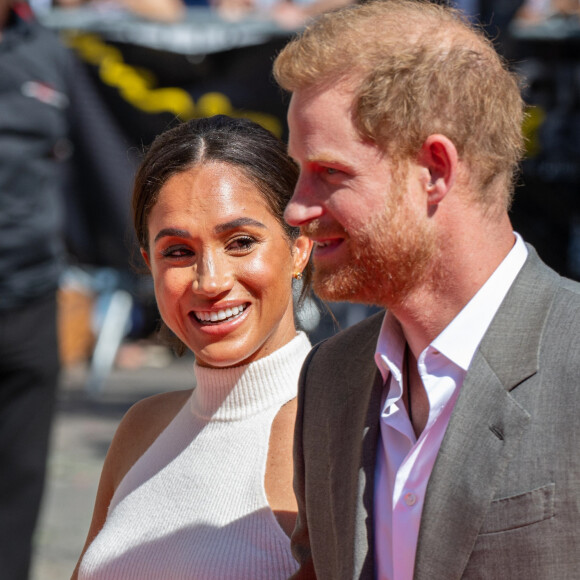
(410, 499)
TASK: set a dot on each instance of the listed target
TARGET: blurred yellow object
(76, 337)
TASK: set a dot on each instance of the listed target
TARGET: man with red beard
(437, 440)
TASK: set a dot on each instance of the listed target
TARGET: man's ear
(146, 258)
(438, 155)
(301, 252)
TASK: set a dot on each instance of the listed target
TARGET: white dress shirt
(404, 463)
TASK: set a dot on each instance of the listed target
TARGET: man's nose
(304, 205)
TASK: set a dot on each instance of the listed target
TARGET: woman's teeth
(219, 315)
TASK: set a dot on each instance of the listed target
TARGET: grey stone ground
(82, 433)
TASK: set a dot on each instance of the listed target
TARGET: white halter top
(194, 505)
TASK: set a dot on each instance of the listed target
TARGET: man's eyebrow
(237, 223)
(322, 157)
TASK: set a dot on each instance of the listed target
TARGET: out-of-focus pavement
(81, 436)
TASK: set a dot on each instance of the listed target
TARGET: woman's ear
(301, 252)
(146, 258)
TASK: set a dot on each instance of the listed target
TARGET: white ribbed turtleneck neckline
(236, 393)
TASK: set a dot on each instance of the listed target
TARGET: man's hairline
(348, 83)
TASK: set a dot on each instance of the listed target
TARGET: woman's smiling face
(222, 266)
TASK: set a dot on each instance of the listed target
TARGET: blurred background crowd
(175, 59)
(74, 122)
(289, 14)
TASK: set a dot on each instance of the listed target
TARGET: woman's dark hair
(238, 142)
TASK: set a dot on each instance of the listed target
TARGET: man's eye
(331, 170)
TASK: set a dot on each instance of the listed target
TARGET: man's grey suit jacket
(503, 500)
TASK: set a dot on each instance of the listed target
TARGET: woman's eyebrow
(237, 223)
(171, 232)
(219, 229)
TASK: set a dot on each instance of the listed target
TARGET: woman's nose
(212, 276)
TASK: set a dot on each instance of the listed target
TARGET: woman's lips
(214, 317)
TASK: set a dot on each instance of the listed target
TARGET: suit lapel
(353, 454)
(364, 532)
(485, 427)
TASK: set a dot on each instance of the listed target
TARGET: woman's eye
(176, 252)
(242, 243)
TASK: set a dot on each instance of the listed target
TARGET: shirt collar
(460, 339)
(390, 347)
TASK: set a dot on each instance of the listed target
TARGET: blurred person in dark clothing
(34, 74)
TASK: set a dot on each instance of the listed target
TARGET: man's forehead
(328, 109)
(315, 133)
(314, 109)
(344, 88)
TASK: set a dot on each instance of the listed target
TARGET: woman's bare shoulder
(156, 411)
(278, 479)
(140, 426)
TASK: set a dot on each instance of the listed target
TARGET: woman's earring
(297, 275)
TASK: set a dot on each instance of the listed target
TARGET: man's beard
(389, 257)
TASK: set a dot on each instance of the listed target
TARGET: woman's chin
(223, 358)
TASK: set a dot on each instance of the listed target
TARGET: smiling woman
(198, 483)
(216, 245)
